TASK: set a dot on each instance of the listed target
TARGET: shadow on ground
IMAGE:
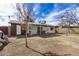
(49, 53)
(49, 35)
(44, 54)
(42, 35)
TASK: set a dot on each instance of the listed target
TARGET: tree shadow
(55, 54)
(44, 54)
(51, 54)
(35, 50)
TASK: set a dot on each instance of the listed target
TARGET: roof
(37, 24)
(15, 21)
(30, 23)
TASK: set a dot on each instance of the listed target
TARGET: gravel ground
(57, 45)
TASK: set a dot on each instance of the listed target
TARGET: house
(18, 28)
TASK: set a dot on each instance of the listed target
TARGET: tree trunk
(26, 33)
(26, 40)
(40, 29)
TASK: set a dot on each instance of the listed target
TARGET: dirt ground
(48, 45)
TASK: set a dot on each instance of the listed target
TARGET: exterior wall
(73, 30)
(45, 29)
(48, 30)
(62, 30)
(33, 29)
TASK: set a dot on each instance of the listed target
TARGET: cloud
(53, 23)
(7, 9)
(50, 18)
(56, 7)
(36, 8)
(5, 22)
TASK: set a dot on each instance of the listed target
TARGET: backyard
(47, 45)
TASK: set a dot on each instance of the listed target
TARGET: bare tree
(24, 13)
(72, 16)
(69, 17)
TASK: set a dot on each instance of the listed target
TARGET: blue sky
(41, 11)
(50, 11)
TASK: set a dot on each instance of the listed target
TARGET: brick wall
(13, 29)
(4, 29)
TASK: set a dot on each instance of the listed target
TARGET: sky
(41, 11)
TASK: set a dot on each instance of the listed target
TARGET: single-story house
(18, 28)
